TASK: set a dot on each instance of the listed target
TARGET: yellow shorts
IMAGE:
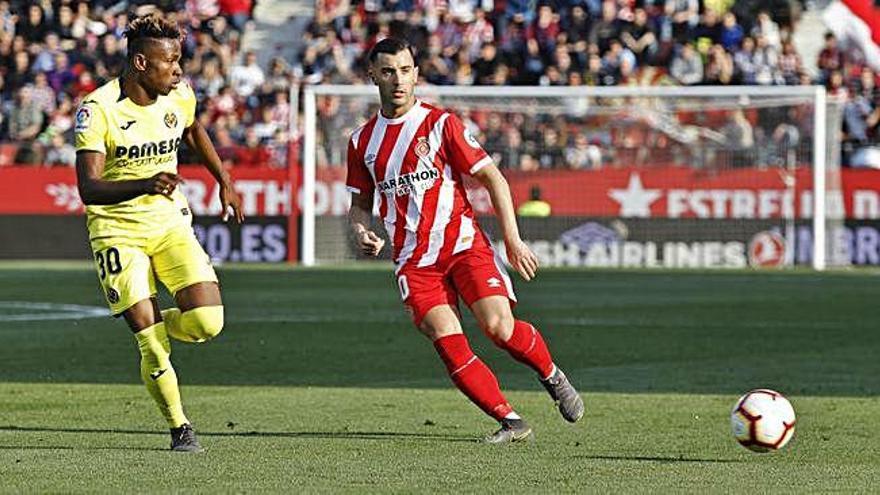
(128, 266)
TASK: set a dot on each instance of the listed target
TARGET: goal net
(678, 177)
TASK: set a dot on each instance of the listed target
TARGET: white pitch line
(47, 311)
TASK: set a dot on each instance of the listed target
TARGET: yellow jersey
(138, 142)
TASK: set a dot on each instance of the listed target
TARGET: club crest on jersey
(83, 119)
(470, 139)
(420, 180)
(422, 148)
(112, 296)
(171, 120)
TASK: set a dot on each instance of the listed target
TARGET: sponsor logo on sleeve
(83, 119)
(470, 139)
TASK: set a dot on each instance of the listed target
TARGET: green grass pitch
(319, 383)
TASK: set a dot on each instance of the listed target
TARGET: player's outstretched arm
(519, 255)
(198, 140)
(93, 190)
(359, 219)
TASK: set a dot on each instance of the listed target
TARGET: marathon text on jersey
(420, 180)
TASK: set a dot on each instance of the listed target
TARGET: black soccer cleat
(183, 439)
(571, 406)
(512, 430)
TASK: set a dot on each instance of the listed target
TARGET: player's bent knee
(498, 327)
(204, 322)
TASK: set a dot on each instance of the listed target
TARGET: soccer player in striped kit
(414, 156)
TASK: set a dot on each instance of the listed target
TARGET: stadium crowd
(601, 43)
(53, 52)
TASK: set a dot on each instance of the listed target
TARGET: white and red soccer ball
(762, 420)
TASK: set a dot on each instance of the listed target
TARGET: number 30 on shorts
(403, 286)
(108, 262)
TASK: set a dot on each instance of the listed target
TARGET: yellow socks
(196, 325)
(158, 374)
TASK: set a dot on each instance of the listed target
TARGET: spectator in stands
(790, 66)
(42, 94)
(253, 153)
(738, 132)
(533, 66)
(25, 119)
(581, 154)
(731, 33)
(63, 26)
(225, 146)
(684, 16)
(577, 26)
(33, 28)
(830, 58)
(607, 28)
(745, 70)
(84, 84)
(210, 81)
(766, 28)
(247, 77)
(719, 66)
(61, 119)
(535, 206)
(836, 87)
(20, 73)
(484, 67)
(476, 34)
(279, 77)
(687, 67)
(7, 18)
(545, 29)
(237, 12)
(264, 127)
(44, 61)
(639, 38)
(550, 151)
(111, 55)
(708, 32)
(511, 148)
(766, 60)
(60, 152)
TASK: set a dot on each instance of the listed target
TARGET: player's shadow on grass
(344, 434)
(658, 459)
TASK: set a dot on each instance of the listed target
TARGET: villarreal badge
(112, 296)
(171, 120)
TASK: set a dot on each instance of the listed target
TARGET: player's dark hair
(152, 26)
(391, 46)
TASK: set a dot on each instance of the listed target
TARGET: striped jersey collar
(409, 113)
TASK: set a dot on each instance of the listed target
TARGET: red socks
(472, 376)
(527, 346)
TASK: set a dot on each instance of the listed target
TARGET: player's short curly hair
(152, 26)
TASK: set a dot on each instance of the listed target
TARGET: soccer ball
(762, 420)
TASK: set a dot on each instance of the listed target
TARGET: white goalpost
(665, 176)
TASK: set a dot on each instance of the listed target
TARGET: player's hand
(370, 243)
(230, 198)
(163, 183)
(522, 259)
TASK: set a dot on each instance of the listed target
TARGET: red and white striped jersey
(416, 162)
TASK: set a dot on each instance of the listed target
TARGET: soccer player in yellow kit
(140, 227)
